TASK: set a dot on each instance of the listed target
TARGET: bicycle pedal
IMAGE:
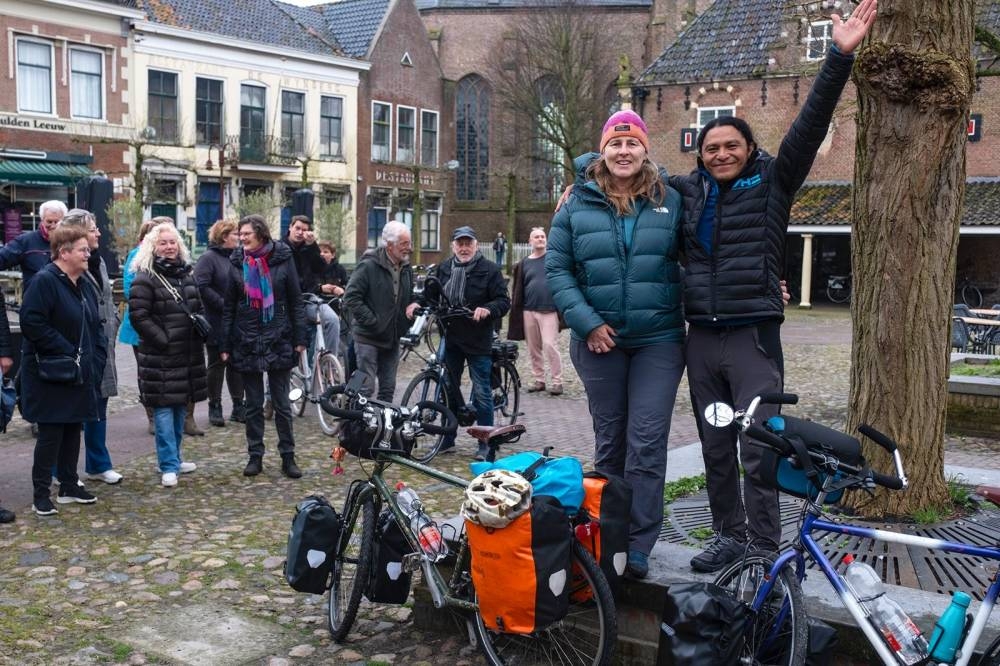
(411, 562)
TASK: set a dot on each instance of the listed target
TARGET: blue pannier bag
(560, 478)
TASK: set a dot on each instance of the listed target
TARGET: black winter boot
(288, 466)
(215, 416)
(254, 467)
(239, 414)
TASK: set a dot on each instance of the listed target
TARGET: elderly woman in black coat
(172, 373)
(60, 317)
(212, 275)
(264, 330)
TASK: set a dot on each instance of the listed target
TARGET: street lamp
(222, 166)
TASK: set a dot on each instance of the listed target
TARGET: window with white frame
(429, 138)
(406, 134)
(381, 131)
(35, 83)
(331, 123)
(430, 224)
(707, 113)
(86, 83)
(819, 39)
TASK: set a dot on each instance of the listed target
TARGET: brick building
(64, 100)
(762, 75)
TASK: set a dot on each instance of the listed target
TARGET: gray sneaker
(719, 553)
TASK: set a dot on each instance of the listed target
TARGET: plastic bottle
(901, 635)
(950, 629)
(426, 529)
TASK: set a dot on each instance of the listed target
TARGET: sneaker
(638, 564)
(536, 387)
(110, 477)
(44, 507)
(168, 480)
(556, 389)
(78, 495)
(188, 467)
(720, 552)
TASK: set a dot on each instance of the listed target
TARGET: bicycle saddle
(503, 434)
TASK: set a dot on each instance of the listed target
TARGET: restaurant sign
(31, 123)
(400, 177)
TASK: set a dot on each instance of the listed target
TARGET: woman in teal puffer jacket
(612, 268)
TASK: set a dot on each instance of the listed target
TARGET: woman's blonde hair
(217, 232)
(646, 183)
(146, 255)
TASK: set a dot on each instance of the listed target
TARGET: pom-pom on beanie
(625, 123)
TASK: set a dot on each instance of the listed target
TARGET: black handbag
(63, 368)
(199, 322)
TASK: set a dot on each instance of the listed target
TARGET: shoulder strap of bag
(173, 292)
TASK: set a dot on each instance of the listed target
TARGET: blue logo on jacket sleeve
(747, 183)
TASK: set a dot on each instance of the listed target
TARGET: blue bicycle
(819, 464)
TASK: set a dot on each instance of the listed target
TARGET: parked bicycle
(826, 462)
(586, 635)
(425, 332)
(433, 381)
(308, 380)
(838, 288)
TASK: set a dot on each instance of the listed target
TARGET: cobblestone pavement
(192, 574)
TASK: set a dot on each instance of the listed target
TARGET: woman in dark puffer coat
(171, 353)
(264, 330)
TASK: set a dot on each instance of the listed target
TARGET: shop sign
(394, 177)
(28, 122)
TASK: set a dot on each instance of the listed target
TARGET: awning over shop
(39, 172)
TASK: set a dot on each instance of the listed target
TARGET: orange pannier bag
(521, 571)
(602, 526)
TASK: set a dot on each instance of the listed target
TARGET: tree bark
(915, 82)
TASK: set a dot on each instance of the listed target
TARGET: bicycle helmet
(496, 497)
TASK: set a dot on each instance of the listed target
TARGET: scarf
(454, 289)
(257, 281)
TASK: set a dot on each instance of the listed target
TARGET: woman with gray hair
(97, 465)
(171, 353)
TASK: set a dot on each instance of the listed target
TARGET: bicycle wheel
(971, 296)
(297, 381)
(838, 294)
(506, 393)
(352, 567)
(991, 657)
(328, 373)
(426, 386)
(779, 631)
(587, 635)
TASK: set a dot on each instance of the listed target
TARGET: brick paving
(109, 583)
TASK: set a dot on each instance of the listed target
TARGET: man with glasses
(380, 299)
(30, 251)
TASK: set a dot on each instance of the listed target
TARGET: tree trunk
(915, 82)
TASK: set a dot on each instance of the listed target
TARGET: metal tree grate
(918, 568)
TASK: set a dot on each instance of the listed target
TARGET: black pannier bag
(702, 624)
(312, 542)
(504, 351)
(790, 475)
(389, 584)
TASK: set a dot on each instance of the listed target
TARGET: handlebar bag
(789, 474)
(521, 572)
(603, 522)
(504, 351)
(389, 583)
(363, 443)
(560, 478)
(702, 624)
(312, 542)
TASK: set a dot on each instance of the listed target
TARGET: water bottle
(901, 635)
(426, 529)
(950, 629)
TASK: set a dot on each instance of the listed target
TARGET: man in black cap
(471, 280)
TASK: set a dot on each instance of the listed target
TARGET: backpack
(521, 572)
(602, 525)
(312, 541)
(702, 624)
(389, 583)
(559, 478)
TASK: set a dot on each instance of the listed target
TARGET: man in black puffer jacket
(737, 205)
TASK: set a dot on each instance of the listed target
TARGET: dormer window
(819, 39)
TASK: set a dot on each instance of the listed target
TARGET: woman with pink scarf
(264, 331)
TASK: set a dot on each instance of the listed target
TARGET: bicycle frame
(812, 522)
(376, 484)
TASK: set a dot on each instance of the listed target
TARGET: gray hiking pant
(631, 397)
(733, 365)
